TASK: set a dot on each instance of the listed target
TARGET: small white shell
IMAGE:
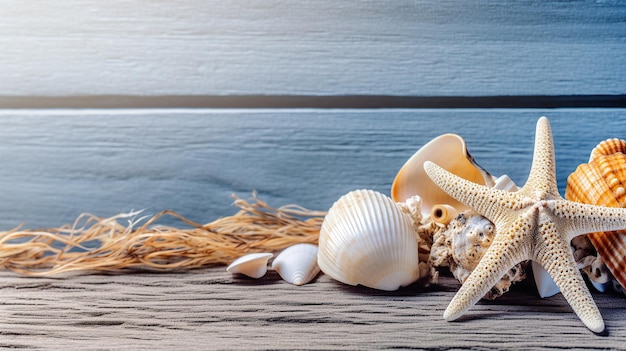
(253, 265)
(504, 182)
(546, 286)
(366, 239)
(297, 264)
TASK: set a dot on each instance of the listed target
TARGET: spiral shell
(366, 239)
(297, 264)
(602, 182)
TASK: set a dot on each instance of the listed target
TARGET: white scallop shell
(366, 239)
(297, 264)
(253, 265)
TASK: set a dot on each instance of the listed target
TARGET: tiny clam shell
(366, 239)
(602, 182)
(448, 151)
(253, 265)
(297, 264)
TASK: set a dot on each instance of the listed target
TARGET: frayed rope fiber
(104, 244)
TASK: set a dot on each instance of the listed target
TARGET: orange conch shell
(602, 182)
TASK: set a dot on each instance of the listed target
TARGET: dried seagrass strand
(104, 244)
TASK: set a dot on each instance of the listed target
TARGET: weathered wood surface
(57, 164)
(211, 309)
(425, 47)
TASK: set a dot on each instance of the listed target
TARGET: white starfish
(533, 223)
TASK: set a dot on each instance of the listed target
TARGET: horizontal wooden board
(312, 101)
(277, 47)
(210, 309)
(57, 164)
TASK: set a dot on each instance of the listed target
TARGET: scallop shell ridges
(602, 182)
(366, 239)
(297, 264)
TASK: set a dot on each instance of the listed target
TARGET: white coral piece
(462, 244)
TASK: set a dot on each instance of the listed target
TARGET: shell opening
(442, 214)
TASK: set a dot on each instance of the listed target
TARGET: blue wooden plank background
(278, 47)
(57, 164)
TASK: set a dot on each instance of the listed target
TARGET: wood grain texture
(277, 47)
(210, 309)
(57, 164)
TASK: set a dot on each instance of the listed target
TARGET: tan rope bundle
(94, 243)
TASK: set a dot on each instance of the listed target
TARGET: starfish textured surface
(533, 223)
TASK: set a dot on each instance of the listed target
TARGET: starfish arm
(482, 199)
(569, 280)
(498, 259)
(553, 253)
(579, 218)
(542, 175)
(560, 264)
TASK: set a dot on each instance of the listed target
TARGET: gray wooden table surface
(211, 309)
